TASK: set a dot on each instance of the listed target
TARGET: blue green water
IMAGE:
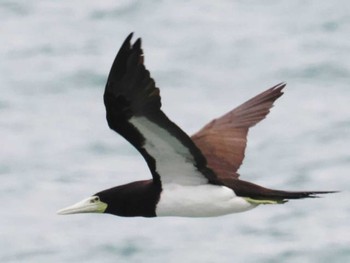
(206, 57)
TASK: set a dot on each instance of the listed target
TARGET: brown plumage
(223, 140)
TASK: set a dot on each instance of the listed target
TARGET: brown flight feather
(223, 140)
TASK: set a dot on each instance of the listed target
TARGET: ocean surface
(207, 57)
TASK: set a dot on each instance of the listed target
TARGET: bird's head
(119, 200)
(133, 199)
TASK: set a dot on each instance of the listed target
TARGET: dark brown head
(134, 199)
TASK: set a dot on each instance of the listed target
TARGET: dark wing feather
(133, 110)
(223, 140)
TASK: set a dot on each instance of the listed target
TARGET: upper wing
(223, 140)
(133, 110)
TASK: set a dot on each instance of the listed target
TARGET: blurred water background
(207, 57)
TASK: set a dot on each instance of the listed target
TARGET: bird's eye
(96, 199)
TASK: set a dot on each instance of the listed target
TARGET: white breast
(199, 201)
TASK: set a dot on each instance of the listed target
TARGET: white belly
(199, 201)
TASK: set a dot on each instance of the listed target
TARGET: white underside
(200, 201)
(174, 162)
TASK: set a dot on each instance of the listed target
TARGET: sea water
(207, 57)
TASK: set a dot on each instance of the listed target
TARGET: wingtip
(129, 37)
(137, 44)
(126, 44)
(280, 86)
(277, 90)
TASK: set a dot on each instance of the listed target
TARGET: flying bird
(191, 176)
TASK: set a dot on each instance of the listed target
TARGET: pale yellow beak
(92, 204)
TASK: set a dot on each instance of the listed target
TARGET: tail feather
(297, 194)
(284, 196)
(259, 194)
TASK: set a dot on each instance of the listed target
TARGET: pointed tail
(261, 195)
(280, 197)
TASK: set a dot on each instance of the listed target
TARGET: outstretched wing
(133, 110)
(223, 140)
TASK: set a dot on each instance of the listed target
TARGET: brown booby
(191, 176)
